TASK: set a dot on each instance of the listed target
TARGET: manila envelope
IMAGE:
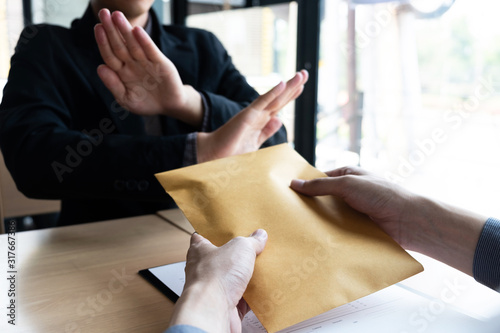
(320, 253)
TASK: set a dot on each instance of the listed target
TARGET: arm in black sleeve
(59, 139)
(486, 263)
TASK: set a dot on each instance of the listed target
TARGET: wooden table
(84, 278)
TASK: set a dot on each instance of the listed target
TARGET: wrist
(186, 105)
(446, 233)
(202, 306)
(192, 107)
(204, 147)
(419, 224)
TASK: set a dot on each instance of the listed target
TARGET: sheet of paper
(171, 275)
(395, 309)
(321, 254)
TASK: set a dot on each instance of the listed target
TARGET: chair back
(15, 204)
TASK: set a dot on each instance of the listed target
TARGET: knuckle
(242, 241)
(347, 170)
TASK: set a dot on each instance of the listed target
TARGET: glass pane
(11, 25)
(167, 12)
(207, 6)
(332, 127)
(428, 96)
(59, 12)
(262, 44)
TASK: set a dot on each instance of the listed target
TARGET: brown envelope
(320, 253)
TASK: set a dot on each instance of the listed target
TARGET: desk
(446, 286)
(452, 288)
(84, 278)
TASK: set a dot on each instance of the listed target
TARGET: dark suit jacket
(64, 136)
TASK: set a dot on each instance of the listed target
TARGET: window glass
(428, 96)
(332, 129)
(58, 12)
(166, 7)
(261, 42)
(206, 6)
(11, 25)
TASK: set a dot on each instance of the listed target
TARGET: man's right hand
(384, 202)
(216, 278)
(439, 230)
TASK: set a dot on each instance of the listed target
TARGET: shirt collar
(149, 25)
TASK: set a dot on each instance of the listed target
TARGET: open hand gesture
(139, 75)
(251, 127)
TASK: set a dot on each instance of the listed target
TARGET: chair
(14, 204)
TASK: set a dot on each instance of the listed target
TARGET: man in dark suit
(64, 135)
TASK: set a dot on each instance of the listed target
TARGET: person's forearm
(444, 232)
(200, 307)
(63, 171)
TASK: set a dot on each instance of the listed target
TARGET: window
(11, 25)
(58, 12)
(428, 92)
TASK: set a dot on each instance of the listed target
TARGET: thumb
(259, 240)
(272, 126)
(199, 240)
(112, 81)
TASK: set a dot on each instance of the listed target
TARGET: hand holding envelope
(320, 253)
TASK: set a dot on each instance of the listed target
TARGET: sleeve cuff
(190, 155)
(184, 329)
(206, 114)
(486, 265)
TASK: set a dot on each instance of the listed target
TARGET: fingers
(316, 187)
(115, 40)
(107, 53)
(300, 88)
(151, 51)
(263, 101)
(258, 239)
(297, 93)
(330, 185)
(125, 29)
(293, 89)
(199, 240)
(282, 93)
(272, 126)
(111, 81)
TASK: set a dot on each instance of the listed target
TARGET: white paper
(396, 309)
(171, 275)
